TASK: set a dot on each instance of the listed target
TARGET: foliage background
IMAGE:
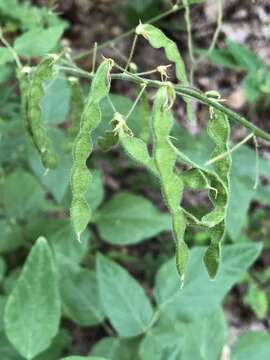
(148, 317)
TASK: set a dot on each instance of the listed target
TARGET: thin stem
(111, 104)
(149, 72)
(216, 34)
(132, 51)
(11, 50)
(218, 28)
(226, 153)
(173, 10)
(122, 56)
(257, 170)
(185, 91)
(94, 58)
(136, 101)
(190, 40)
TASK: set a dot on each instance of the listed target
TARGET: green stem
(190, 41)
(180, 90)
(173, 10)
(226, 153)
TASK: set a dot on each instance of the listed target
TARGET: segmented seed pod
(219, 131)
(83, 145)
(157, 40)
(76, 105)
(42, 73)
(165, 160)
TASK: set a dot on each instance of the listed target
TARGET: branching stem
(180, 90)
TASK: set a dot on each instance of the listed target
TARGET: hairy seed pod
(42, 73)
(83, 145)
(76, 105)
(219, 131)
(157, 40)
(165, 161)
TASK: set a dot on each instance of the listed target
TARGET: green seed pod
(76, 105)
(158, 40)
(83, 145)
(42, 73)
(219, 131)
(24, 85)
(108, 141)
(165, 160)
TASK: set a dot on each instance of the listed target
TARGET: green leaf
(242, 182)
(11, 236)
(115, 348)
(251, 86)
(63, 241)
(201, 340)
(80, 294)
(257, 299)
(56, 181)
(252, 346)
(60, 342)
(131, 312)
(235, 261)
(23, 195)
(7, 351)
(247, 59)
(129, 219)
(39, 41)
(33, 308)
(222, 57)
(55, 103)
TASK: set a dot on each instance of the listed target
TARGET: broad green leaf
(38, 41)
(7, 351)
(55, 103)
(33, 308)
(128, 219)
(201, 340)
(131, 312)
(55, 181)
(80, 294)
(60, 343)
(23, 195)
(199, 292)
(115, 348)
(252, 346)
(11, 236)
(63, 241)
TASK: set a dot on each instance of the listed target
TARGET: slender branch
(226, 153)
(136, 101)
(131, 51)
(171, 11)
(218, 28)
(180, 90)
(94, 58)
(190, 41)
